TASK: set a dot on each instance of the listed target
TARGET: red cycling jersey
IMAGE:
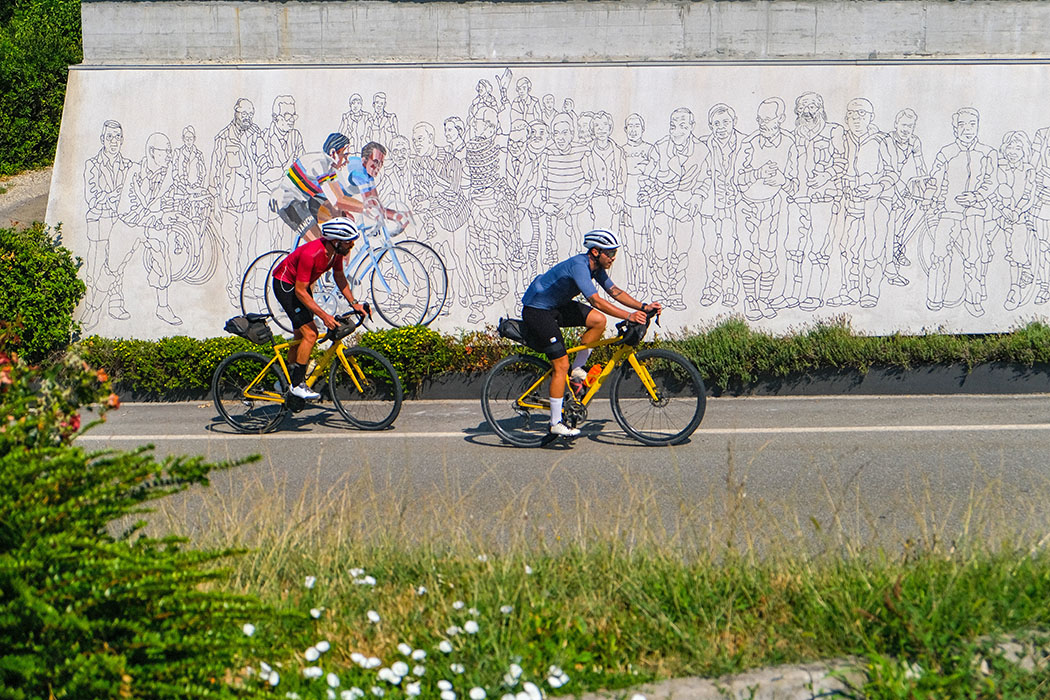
(306, 263)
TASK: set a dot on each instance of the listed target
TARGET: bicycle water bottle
(592, 375)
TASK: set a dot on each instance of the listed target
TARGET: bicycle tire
(681, 405)
(256, 289)
(407, 301)
(438, 273)
(237, 373)
(504, 385)
(378, 402)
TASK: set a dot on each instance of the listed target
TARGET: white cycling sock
(581, 359)
(556, 410)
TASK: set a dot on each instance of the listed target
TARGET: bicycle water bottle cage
(251, 327)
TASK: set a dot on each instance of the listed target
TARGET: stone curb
(787, 682)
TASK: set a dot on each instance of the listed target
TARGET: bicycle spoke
(248, 392)
(366, 391)
(514, 400)
(664, 402)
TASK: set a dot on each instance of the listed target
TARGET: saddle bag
(514, 329)
(252, 327)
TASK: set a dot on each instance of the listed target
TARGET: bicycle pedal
(294, 403)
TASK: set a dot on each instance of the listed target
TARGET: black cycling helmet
(334, 142)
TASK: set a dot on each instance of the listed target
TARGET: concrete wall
(368, 31)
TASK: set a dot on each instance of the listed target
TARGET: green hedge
(41, 289)
(729, 355)
(39, 40)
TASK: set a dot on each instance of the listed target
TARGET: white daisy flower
(404, 649)
(400, 668)
(448, 695)
(474, 611)
(637, 696)
(419, 654)
(421, 590)
(528, 570)
(419, 670)
(275, 678)
(352, 694)
(315, 613)
(412, 689)
(312, 672)
(265, 667)
(532, 691)
(356, 572)
(445, 646)
(470, 627)
(292, 695)
(373, 662)
(458, 605)
(453, 630)
(331, 694)
(310, 581)
(385, 674)
(377, 691)
(506, 609)
(323, 646)
(312, 654)
(373, 616)
(456, 668)
(358, 658)
(507, 696)
(477, 693)
(483, 558)
(332, 680)
(248, 629)
(444, 684)
(515, 671)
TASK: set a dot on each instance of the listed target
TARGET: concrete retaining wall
(179, 32)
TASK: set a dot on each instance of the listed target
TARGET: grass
(611, 593)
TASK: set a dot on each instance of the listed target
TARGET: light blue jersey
(354, 179)
(558, 285)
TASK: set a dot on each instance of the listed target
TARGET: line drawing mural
(794, 200)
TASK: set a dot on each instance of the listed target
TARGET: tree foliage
(39, 40)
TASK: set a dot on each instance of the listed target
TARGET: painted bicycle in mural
(406, 279)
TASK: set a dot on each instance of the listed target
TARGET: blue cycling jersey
(354, 179)
(558, 285)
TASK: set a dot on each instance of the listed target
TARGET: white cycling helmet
(600, 238)
(339, 229)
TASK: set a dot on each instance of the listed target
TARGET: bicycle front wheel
(400, 288)
(256, 288)
(248, 394)
(366, 391)
(436, 271)
(515, 402)
(673, 410)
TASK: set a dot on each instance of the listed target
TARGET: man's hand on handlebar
(638, 317)
(329, 321)
(363, 308)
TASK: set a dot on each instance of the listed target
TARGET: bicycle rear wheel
(675, 412)
(256, 289)
(373, 401)
(405, 296)
(246, 397)
(436, 271)
(523, 421)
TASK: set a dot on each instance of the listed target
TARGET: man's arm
(344, 287)
(622, 297)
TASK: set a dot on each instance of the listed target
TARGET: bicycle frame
(337, 349)
(624, 351)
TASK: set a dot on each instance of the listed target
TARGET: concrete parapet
(374, 31)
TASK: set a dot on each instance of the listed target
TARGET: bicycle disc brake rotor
(574, 413)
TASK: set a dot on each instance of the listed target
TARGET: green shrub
(41, 288)
(85, 613)
(39, 40)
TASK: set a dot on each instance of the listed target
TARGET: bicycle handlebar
(348, 323)
(633, 331)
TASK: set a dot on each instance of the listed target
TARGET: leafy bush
(39, 40)
(41, 288)
(88, 614)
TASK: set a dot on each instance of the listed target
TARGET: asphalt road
(828, 471)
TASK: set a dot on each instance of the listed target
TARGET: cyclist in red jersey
(291, 287)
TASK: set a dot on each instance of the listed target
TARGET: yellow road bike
(657, 395)
(250, 389)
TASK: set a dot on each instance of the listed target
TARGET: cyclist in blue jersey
(549, 306)
(310, 183)
(357, 179)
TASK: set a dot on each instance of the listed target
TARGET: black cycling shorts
(300, 214)
(544, 326)
(284, 292)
